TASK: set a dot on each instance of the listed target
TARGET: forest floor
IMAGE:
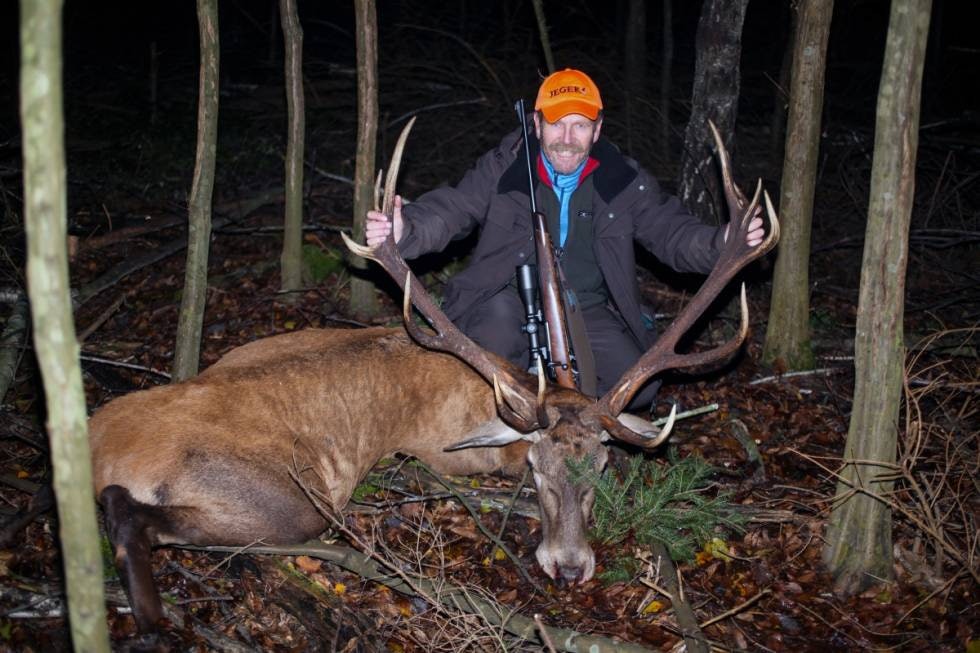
(765, 589)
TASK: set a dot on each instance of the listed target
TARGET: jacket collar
(610, 178)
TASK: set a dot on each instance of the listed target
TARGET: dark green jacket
(628, 205)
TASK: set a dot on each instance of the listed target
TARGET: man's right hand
(377, 227)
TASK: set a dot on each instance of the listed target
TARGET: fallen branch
(129, 366)
(790, 375)
(121, 270)
(515, 624)
(694, 412)
(240, 207)
(694, 639)
(101, 318)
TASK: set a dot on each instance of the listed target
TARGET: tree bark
(859, 543)
(363, 297)
(187, 351)
(292, 237)
(715, 97)
(788, 332)
(42, 121)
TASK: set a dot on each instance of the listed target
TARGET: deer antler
(735, 255)
(517, 405)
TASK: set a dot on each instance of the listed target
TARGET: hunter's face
(568, 141)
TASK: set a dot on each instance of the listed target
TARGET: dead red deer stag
(223, 458)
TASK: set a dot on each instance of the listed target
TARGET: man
(597, 202)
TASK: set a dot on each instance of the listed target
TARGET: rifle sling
(577, 333)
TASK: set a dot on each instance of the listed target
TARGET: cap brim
(561, 109)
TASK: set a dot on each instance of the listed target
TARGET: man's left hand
(755, 234)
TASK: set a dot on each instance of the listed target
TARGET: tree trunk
(292, 237)
(666, 78)
(859, 543)
(363, 298)
(788, 332)
(635, 62)
(187, 351)
(781, 93)
(45, 222)
(549, 58)
(715, 97)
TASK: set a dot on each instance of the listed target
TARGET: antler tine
(388, 205)
(521, 408)
(733, 194)
(621, 432)
(377, 191)
(735, 255)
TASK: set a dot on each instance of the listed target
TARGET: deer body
(336, 400)
(215, 459)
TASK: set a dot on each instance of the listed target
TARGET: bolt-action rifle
(556, 354)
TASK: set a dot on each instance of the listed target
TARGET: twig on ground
(131, 366)
(483, 529)
(734, 611)
(694, 412)
(919, 521)
(949, 583)
(102, 317)
(510, 505)
(790, 375)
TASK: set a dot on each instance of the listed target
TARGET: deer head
(563, 424)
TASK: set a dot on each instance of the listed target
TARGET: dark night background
(107, 46)
(459, 66)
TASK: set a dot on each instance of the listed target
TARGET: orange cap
(568, 91)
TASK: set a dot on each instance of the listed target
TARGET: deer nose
(570, 573)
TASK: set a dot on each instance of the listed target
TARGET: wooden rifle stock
(552, 305)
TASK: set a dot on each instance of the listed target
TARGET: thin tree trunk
(549, 58)
(715, 97)
(292, 237)
(42, 121)
(859, 537)
(187, 351)
(781, 94)
(363, 297)
(788, 332)
(635, 62)
(666, 78)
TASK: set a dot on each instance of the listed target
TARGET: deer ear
(494, 433)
